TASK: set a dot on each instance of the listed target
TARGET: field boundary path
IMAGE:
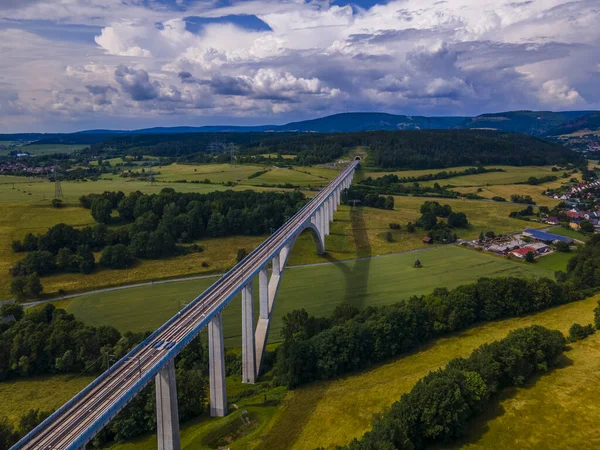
(215, 275)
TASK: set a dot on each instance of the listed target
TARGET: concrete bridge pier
(167, 414)
(216, 365)
(248, 344)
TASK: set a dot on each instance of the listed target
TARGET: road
(75, 423)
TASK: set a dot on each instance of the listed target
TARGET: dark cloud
(226, 85)
(136, 83)
(186, 77)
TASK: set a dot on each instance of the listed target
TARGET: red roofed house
(574, 215)
(522, 252)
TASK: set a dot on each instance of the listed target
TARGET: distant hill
(589, 122)
(535, 123)
(349, 122)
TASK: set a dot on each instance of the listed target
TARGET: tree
(427, 221)
(116, 257)
(530, 257)
(562, 246)
(417, 264)
(410, 227)
(481, 236)
(389, 237)
(17, 287)
(389, 202)
(12, 309)
(241, 254)
(458, 220)
(490, 234)
(597, 316)
(101, 210)
(33, 286)
(586, 226)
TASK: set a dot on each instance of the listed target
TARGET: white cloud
(426, 57)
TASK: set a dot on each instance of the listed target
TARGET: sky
(68, 65)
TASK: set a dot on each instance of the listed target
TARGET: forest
(151, 226)
(416, 149)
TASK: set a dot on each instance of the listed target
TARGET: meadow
(511, 175)
(43, 393)
(317, 288)
(46, 149)
(277, 175)
(354, 234)
(331, 413)
(569, 232)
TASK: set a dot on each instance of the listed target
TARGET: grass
(510, 175)
(555, 410)
(506, 190)
(554, 262)
(291, 176)
(334, 412)
(353, 235)
(206, 433)
(318, 289)
(274, 155)
(45, 393)
(569, 232)
(45, 149)
(217, 173)
(41, 192)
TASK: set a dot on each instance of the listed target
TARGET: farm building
(522, 252)
(546, 237)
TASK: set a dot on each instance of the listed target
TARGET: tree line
(317, 348)
(439, 407)
(151, 226)
(443, 175)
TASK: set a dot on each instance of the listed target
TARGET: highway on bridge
(79, 420)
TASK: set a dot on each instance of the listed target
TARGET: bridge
(77, 422)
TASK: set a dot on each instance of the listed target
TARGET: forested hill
(402, 149)
(534, 123)
(589, 122)
(447, 148)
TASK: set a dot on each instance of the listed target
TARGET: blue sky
(78, 64)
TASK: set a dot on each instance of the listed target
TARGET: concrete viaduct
(76, 423)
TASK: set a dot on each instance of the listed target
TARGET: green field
(510, 175)
(318, 289)
(45, 149)
(216, 173)
(557, 410)
(41, 191)
(44, 393)
(555, 261)
(569, 232)
(326, 414)
(294, 177)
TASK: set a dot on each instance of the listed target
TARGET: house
(539, 247)
(574, 214)
(427, 240)
(575, 224)
(552, 220)
(522, 252)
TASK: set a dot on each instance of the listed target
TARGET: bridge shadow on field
(356, 275)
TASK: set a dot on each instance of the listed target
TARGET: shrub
(498, 199)
(389, 237)
(578, 332)
(530, 257)
(395, 226)
(490, 234)
(562, 246)
(57, 203)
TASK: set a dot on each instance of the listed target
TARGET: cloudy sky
(68, 65)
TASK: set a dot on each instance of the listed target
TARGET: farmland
(353, 234)
(317, 415)
(318, 289)
(45, 149)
